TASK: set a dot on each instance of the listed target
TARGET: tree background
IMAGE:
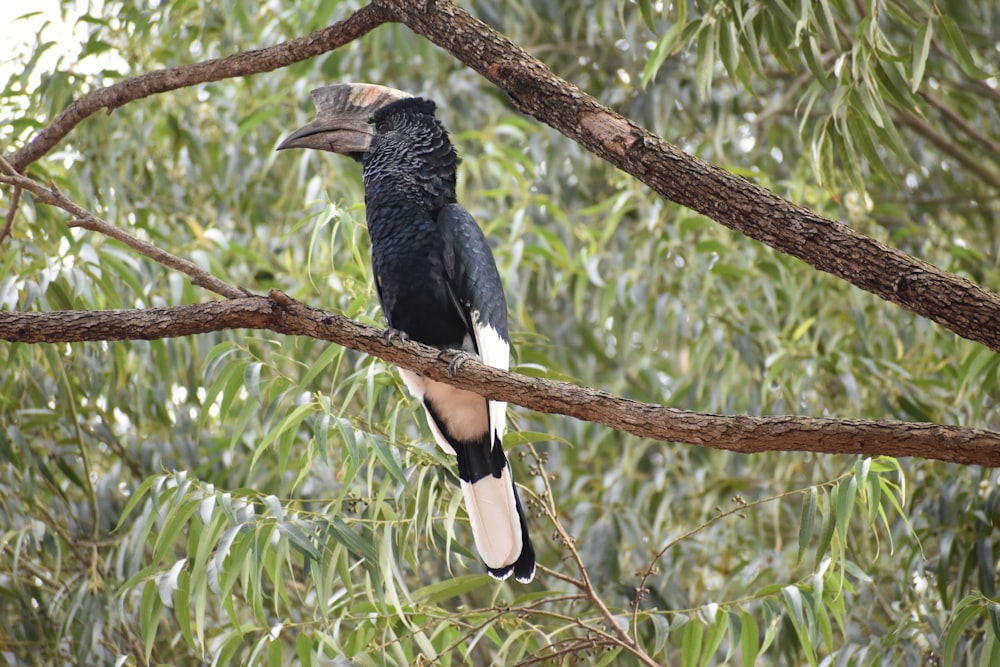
(241, 497)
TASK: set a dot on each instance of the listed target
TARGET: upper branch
(240, 64)
(87, 220)
(954, 302)
(748, 435)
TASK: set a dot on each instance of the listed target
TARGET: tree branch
(978, 136)
(748, 435)
(84, 218)
(160, 81)
(954, 302)
(970, 162)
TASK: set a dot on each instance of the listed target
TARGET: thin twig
(971, 163)
(991, 146)
(584, 584)
(8, 225)
(555, 574)
(608, 638)
(702, 526)
(87, 220)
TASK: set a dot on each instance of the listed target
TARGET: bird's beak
(342, 114)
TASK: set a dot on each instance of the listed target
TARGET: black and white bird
(438, 284)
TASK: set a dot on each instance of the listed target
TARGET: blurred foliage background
(244, 497)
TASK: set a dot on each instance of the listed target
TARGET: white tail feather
(490, 502)
(496, 525)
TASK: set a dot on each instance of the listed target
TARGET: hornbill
(438, 284)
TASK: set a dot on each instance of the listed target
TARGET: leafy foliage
(244, 497)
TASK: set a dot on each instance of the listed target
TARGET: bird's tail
(498, 524)
(463, 425)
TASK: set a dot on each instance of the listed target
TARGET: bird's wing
(476, 290)
(474, 286)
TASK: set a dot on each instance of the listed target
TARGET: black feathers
(438, 283)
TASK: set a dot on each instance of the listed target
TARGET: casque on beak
(342, 113)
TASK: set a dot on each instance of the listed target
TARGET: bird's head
(350, 116)
(394, 134)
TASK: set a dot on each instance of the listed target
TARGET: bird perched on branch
(438, 284)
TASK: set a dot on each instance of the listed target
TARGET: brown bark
(747, 435)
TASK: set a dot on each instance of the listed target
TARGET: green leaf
(388, 459)
(664, 48)
(289, 423)
(137, 495)
(921, 49)
(705, 68)
(328, 356)
(691, 641)
(169, 581)
(275, 653)
(354, 542)
(954, 38)
(182, 609)
(716, 633)
(814, 60)
(846, 494)
(797, 613)
(304, 649)
(646, 10)
(968, 610)
(661, 632)
(251, 379)
(149, 615)
(749, 639)
(807, 521)
(451, 588)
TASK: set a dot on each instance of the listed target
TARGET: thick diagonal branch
(954, 302)
(741, 434)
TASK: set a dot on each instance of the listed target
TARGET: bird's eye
(383, 126)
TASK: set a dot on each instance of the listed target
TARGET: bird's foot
(391, 334)
(458, 357)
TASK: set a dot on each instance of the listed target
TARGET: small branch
(739, 509)
(748, 435)
(584, 584)
(985, 141)
(606, 637)
(240, 64)
(973, 164)
(85, 219)
(15, 201)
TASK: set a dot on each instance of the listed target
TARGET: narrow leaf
(922, 47)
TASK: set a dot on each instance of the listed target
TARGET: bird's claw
(391, 334)
(458, 358)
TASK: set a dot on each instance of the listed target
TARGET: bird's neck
(417, 170)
